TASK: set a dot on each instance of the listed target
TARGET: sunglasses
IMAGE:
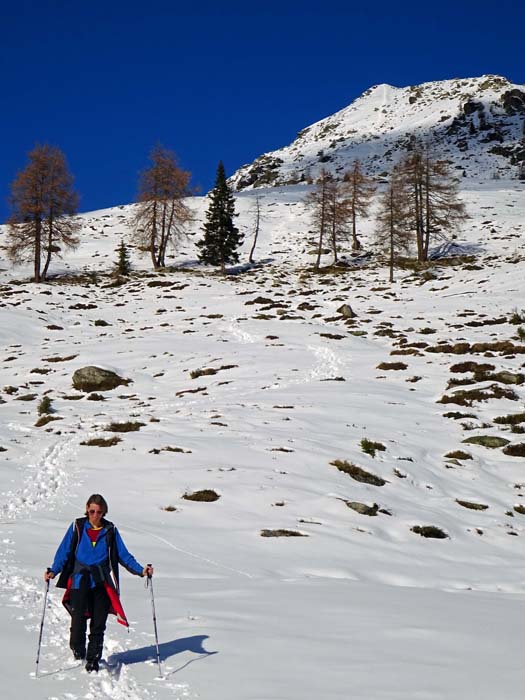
(95, 512)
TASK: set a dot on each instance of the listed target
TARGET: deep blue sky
(106, 80)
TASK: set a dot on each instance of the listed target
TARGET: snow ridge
(477, 124)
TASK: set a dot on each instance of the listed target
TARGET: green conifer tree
(123, 264)
(221, 237)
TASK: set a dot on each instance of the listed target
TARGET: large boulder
(92, 378)
(346, 311)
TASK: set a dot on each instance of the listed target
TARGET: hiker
(87, 560)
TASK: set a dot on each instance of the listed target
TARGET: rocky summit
(477, 124)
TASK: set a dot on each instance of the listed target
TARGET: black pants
(97, 602)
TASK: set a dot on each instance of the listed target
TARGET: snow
(377, 127)
(361, 607)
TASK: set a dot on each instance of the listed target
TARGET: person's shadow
(166, 649)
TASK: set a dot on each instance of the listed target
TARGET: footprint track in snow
(43, 482)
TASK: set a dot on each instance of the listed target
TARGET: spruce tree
(221, 237)
(123, 264)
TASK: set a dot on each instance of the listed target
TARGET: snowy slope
(360, 606)
(478, 124)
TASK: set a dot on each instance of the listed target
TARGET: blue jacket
(89, 556)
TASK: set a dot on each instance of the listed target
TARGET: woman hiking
(87, 560)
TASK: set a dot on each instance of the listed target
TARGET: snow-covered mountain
(335, 505)
(255, 386)
(478, 124)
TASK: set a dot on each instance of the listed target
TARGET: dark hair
(98, 500)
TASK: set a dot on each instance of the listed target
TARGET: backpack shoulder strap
(110, 527)
(112, 550)
(79, 529)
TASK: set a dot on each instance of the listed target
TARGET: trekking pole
(42, 626)
(149, 583)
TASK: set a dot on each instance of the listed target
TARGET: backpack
(69, 566)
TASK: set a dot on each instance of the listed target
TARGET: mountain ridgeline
(476, 124)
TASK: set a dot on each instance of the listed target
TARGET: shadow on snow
(193, 644)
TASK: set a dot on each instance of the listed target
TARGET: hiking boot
(92, 665)
(79, 654)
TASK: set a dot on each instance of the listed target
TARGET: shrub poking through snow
(196, 373)
(430, 531)
(282, 533)
(363, 508)
(471, 505)
(102, 442)
(392, 365)
(370, 447)
(358, 473)
(127, 427)
(511, 419)
(45, 406)
(458, 454)
(44, 420)
(517, 317)
(472, 367)
(467, 398)
(457, 415)
(205, 496)
(492, 441)
(517, 450)
(67, 358)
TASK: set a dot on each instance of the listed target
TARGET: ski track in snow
(328, 363)
(115, 682)
(240, 335)
(44, 481)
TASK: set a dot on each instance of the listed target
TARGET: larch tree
(338, 214)
(436, 209)
(43, 204)
(162, 212)
(320, 202)
(358, 192)
(393, 231)
(221, 240)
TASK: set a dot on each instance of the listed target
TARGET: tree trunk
(356, 243)
(319, 248)
(334, 240)
(49, 246)
(427, 211)
(391, 279)
(419, 222)
(322, 224)
(38, 250)
(257, 223)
